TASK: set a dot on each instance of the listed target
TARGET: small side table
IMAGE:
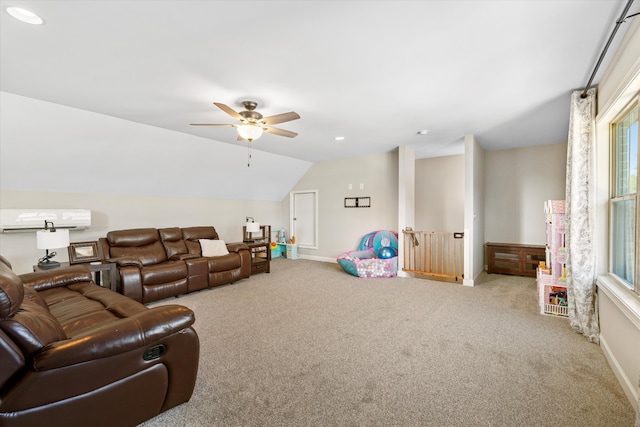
(110, 281)
(260, 257)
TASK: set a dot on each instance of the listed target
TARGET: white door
(304, 218)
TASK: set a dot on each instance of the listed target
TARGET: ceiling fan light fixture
(249, 132)
(24, 15)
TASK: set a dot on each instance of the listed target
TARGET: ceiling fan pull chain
(248, 153)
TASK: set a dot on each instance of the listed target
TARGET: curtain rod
(619, 22)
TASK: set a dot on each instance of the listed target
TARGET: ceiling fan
(252, 123)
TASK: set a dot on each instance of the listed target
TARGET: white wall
(518, 181)
(406, 200)
(440, 194)
(51, 147)
(341, 228)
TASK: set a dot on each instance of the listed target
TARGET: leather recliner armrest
(116, 337)
(182, 257)
(237, 247)
(42, 280)
(126, 261)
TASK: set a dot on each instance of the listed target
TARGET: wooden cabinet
(511, 258)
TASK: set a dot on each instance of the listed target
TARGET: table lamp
(50, 238)
(251, 226)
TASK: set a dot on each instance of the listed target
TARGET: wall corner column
(406, 198)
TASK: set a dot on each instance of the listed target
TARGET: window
(624, 200)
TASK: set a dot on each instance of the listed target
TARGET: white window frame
(613, 197)
(626, 300)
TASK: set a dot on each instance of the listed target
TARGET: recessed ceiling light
(422, 132)
(24, 15)
(339, 138)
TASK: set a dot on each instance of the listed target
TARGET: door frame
(291, 215)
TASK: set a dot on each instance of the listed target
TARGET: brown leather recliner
(75, 354)
(146, 274)
(160, 263)
(221, 269)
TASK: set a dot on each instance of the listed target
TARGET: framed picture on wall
(80, 252)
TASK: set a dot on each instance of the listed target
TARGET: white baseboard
(624, 308)
(626, 382)
(317, 258)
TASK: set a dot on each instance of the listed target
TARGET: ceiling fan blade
(281, 118)
(280, 132)
(212, 124)
(230, 111)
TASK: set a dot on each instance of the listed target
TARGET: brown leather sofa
(75, 354)
(160, 263)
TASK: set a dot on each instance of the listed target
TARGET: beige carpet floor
(310, 345)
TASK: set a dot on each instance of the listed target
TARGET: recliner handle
(154, 352)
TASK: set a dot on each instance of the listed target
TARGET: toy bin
(292, 251)
(276, 251)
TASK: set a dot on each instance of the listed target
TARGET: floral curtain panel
(580, 193)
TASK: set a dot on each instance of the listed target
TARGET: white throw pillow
(213, 247)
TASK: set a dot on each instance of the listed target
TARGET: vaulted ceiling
(373, 72)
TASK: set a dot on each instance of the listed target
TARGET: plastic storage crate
(292, 251)
(276, 251)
